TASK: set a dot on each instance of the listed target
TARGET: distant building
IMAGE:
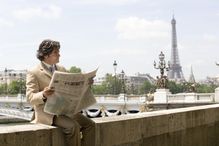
(210, 81)
(9, 75)
(139, 79)
(99, 80)
(136, 80)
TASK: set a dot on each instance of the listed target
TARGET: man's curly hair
(46, 47)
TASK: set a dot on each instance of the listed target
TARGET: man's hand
(48, 91)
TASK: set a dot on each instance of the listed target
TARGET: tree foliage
(2, 88)
(15, 87)
(176, 88)
(205, 88)
(186, 87)
(75, 69)
(147, 87)
(115, 85)
(112, 85)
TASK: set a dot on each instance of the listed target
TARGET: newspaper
(72, 93)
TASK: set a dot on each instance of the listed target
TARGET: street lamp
(20, 90)
(20, 83)
(6, 84)
(115, 67)
(162, 81)
(123, 81)
(162, 64)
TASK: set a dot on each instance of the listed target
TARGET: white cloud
(51, 11)
(109, 2)
(5, 23)
(137, 28)
(210, 38)
(122, 52)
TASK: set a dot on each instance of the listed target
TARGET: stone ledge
(154, 113)
(190, 126)
(182, 127)
(23, 127)
(7, 120)
(27, 134)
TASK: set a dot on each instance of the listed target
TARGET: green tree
(14, 87)
(147, 87)
(75, 69)
(100, 89)
(186, 87)
(111, 85)
(205, 88)
(132, 89)
(176, 88)
(2, 88)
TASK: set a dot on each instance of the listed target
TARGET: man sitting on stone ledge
(37, 83)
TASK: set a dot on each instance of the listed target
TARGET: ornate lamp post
(115, 67)
(217, 89)
(162, 81)
(6, 84)
(20, 89)
(123, 81)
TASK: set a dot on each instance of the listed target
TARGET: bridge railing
(112, 105)
(22, 114)
(191, 97)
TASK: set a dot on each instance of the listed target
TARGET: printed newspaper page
(72, 93)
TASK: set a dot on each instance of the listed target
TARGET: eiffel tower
(175, 72)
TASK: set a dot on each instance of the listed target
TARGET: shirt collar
(47, 65)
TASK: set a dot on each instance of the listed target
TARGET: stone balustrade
(113, 105)
(191, 97)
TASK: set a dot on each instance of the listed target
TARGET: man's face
(53, 58)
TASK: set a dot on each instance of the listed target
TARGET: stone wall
(26, 134)
(192, 126)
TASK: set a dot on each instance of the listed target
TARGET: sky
(94, 33)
